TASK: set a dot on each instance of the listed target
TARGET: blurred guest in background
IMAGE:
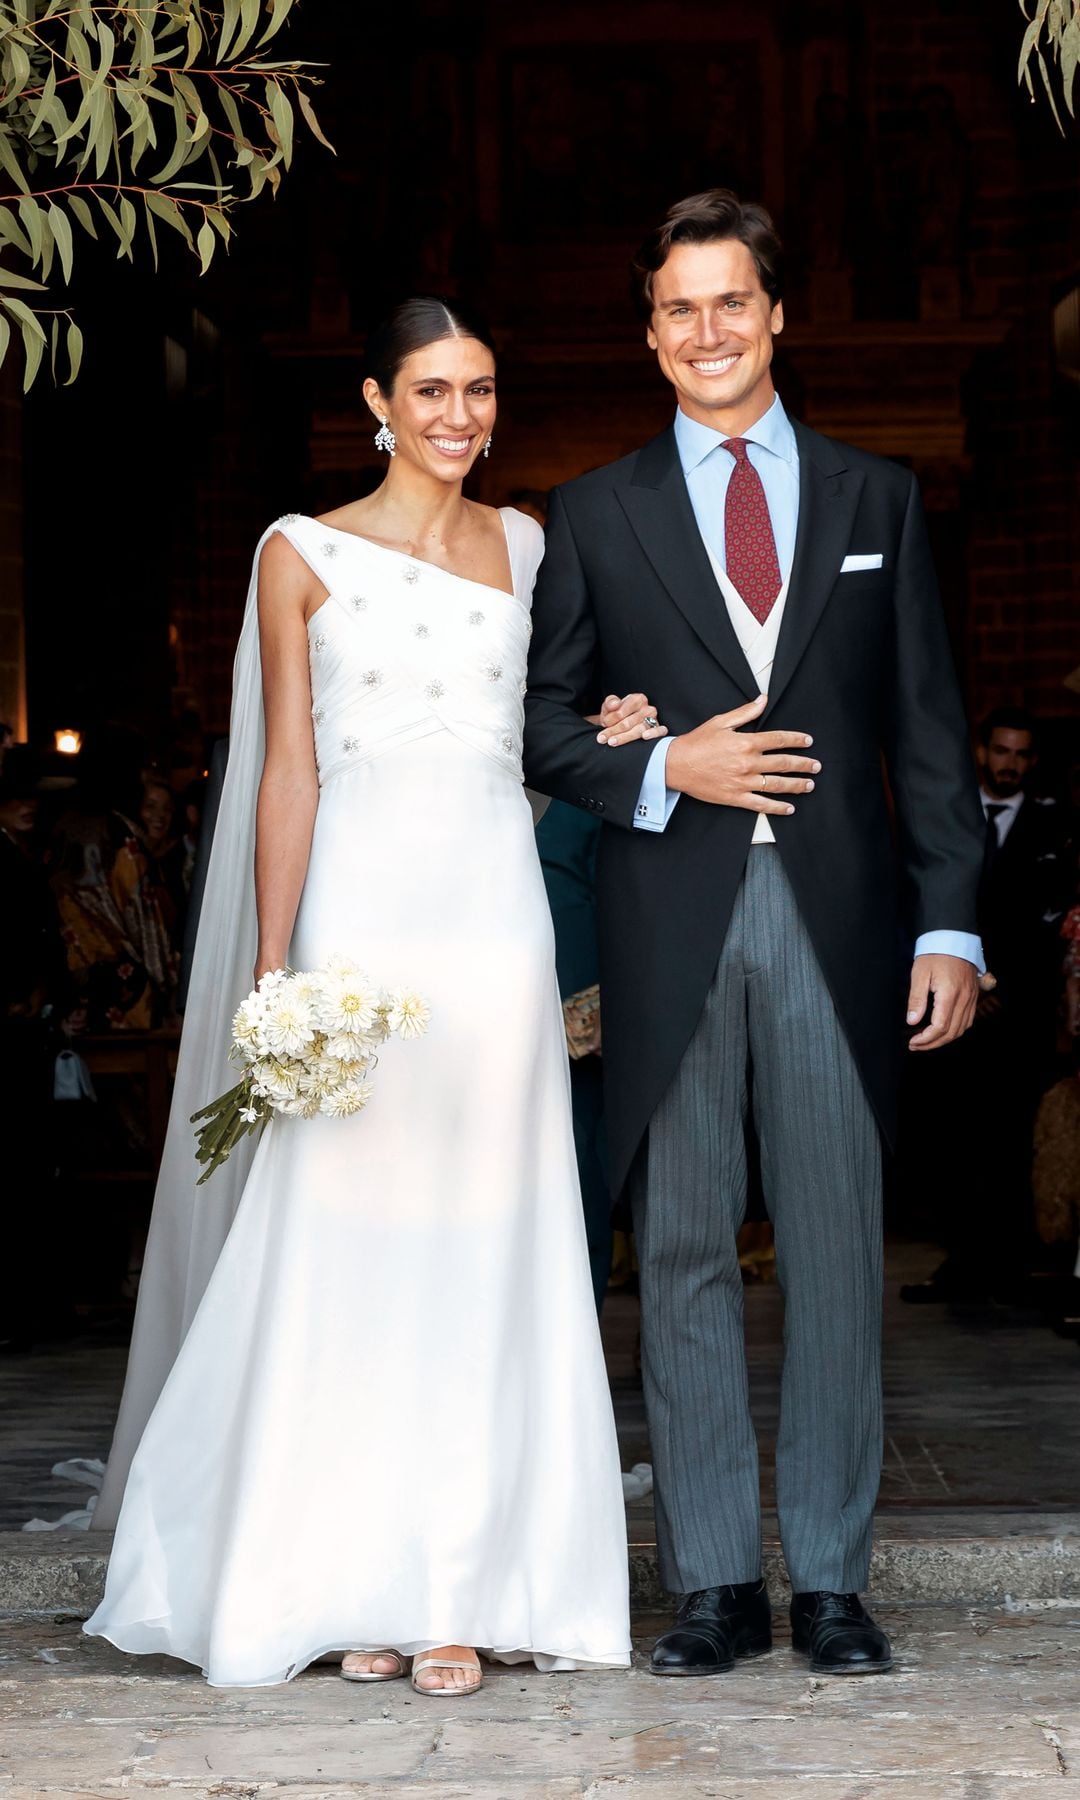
(567, 838)
(120, 955)
(164, 833)
(992, 1081)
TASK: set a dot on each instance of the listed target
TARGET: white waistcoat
(759, 647)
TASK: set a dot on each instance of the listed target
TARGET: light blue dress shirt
(773, 451)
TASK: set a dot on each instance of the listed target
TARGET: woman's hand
(621, 721)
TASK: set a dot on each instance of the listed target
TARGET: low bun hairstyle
(411, 326)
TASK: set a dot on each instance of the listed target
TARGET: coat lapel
(658, 507)
(828, 498)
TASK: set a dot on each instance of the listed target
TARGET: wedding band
(650, 724)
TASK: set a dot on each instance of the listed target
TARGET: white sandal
(445, 1662)
(374, 1674)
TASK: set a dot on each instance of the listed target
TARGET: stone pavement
(983, 1705)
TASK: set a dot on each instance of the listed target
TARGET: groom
(773, 591)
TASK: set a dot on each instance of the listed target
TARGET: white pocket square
(860, 562)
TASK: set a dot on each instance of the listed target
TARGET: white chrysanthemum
(346, 1100)
(409, 1014)
(338, 964)
(288, 1027)
(247, 1026)
(344, 1046)
(271, 982)
(276, 1081)
(307, 987)
(346, 1071)
(348, 1004)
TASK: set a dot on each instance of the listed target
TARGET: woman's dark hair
(709, 218)
(411, 326)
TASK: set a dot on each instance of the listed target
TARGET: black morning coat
(626, 601)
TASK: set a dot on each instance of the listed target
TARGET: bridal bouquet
(308, 1042)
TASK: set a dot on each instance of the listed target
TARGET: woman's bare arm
(289, 789)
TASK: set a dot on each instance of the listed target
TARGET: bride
(382, 1423)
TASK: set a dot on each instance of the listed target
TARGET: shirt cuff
(952, 943)
(656, 802)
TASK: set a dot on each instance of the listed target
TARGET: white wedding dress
(389, 1421)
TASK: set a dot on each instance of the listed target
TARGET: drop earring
(487, 446)
(385, 439)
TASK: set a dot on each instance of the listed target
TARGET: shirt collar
(1012, 804)
(773, 431)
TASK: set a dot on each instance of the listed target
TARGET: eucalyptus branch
(1052, 35)
(96, 88)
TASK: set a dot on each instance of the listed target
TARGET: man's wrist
(674, 771)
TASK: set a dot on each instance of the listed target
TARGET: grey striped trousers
(768, 1011)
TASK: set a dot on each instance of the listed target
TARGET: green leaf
(114, 222)
(9, 162)
(74, 350)
(194, 40)
(82, 213)
(309, 114)
(27, 319)
(151, 232)
(33, 346)
(229, 22)
(61, 230)
(54, 339)
(206, 242)
(5, 337)
(128, 223)
(249, 21)
(232, 114)
(182, 145)
(283, 118)
(8, 278)
(279, 12)
(12, 231)
(172, 215)
(45, 100)
(1044, 72)
(1031, 36)
(33, 224)
(1070, 57)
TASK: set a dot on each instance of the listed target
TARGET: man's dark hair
(1008, 718)
(710, 218)
(411, 326)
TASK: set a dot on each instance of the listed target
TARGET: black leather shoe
(838, 1635)
(712, 1628)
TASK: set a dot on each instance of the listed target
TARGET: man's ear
(777, 320)
(650, 337)
(980, 755)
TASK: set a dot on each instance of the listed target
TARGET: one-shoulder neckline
(422, 562)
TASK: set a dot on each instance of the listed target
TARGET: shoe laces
(699, 1605)
(838, 1606)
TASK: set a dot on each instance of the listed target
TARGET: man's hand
(727, 767)
(954, 984)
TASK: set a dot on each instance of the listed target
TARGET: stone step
(961, 1557)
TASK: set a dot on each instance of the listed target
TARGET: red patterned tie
(748, 535)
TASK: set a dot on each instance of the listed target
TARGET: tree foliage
(1052, 36)
(118, 119)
